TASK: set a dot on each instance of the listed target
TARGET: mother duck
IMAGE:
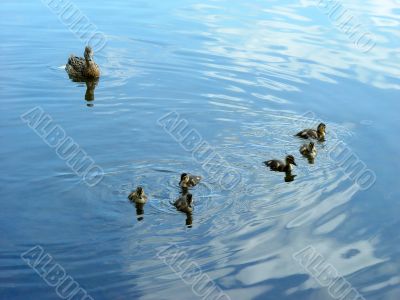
(83, 67)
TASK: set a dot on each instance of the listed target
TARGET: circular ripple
(259, 189)
(160, 180)
(273, 193)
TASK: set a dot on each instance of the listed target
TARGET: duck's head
(290, 160)
(88, 54)
(184, 177)
(321, 128)
(139, 191)
(311, 146)
(189, 199)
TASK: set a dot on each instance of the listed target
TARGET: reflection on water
(90, 88)
(311, 160)
(189, 220)
(244, 75)
(289, 177)
(139, 211)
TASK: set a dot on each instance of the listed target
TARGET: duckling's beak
(293, 162)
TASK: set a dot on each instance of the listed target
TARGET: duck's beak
(294, 163)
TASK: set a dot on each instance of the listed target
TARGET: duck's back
(194, 180)
(275, 164)
(132, 196)
(307, 133)
(304, 150)
(75, 66)
(78, 68)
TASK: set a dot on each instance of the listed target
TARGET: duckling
(188, 180)
(184, 203)
(280, 166)
(83, 68)
(318, 134)
(138, 196)
(309, 150)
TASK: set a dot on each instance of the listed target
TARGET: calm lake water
(245, 76)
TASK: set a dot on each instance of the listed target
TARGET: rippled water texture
(244, 76)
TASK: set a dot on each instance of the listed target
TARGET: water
(246, 77)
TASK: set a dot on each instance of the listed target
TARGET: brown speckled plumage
(318, 134)
(83, 67)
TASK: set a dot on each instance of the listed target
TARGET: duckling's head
(88, 53)
(189, 199)
(311, 146)
(290, 160)
(321, 128)
(139, 191)
(184, 177)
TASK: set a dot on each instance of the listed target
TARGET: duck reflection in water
(189, 220)
(91, 85)
(139, 211)
(185, 204)
(289, 177)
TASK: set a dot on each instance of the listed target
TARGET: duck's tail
(71, 64)
(197, 179)
(70, 59)
(299, 134)
(268, 163)
(302, 134)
